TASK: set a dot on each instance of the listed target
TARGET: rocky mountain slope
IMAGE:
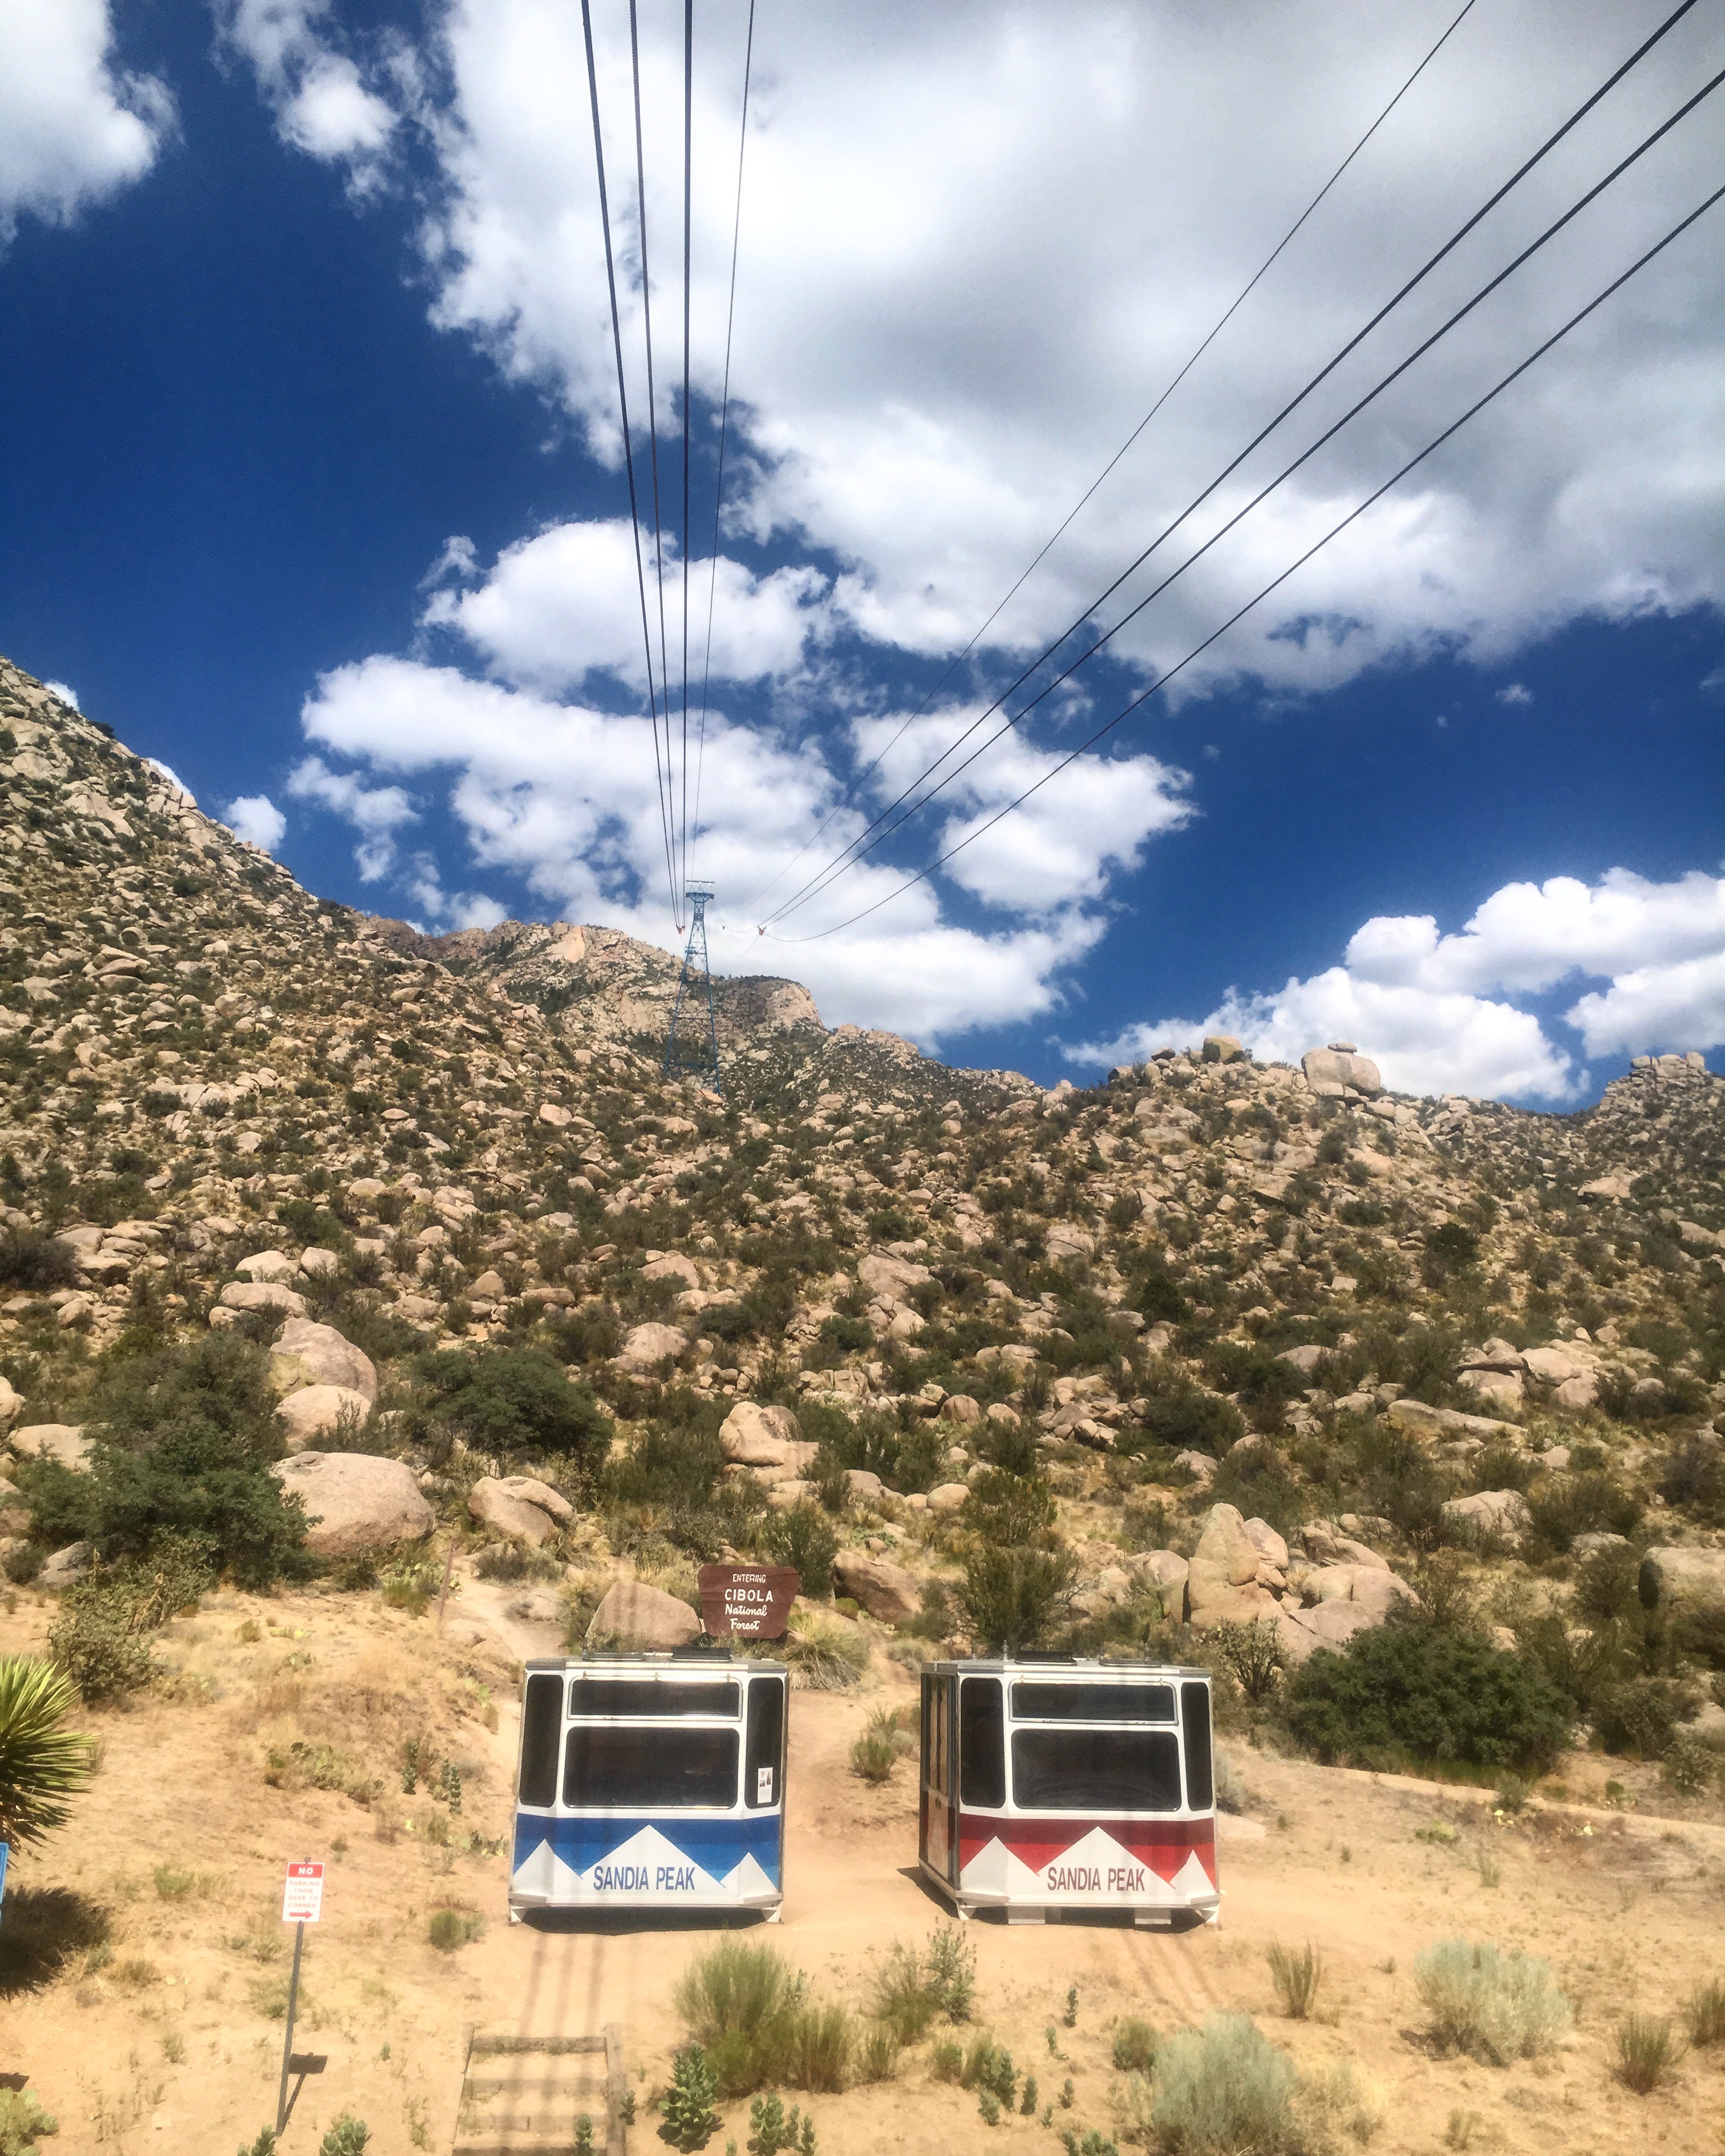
(1212, 1342)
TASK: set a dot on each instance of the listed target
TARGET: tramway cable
(1257, 599)
(1198, 353)
(852, 850)
(1286, 473)
(749, 62)
(688, 415)
(634, 57)
(634, 514)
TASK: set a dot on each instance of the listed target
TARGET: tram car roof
(1055, 1666)
(719, 1660)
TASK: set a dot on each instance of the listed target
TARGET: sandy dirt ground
(168, 2037)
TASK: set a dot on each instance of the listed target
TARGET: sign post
(301, 1904)
(746, 1601)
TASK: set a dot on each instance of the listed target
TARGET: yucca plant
(42, 1764)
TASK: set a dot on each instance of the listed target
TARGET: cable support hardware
(696, 1060)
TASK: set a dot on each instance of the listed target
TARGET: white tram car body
(650, 1782)
(1055, 1785)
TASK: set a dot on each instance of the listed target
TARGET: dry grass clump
(1649, 2051)
(1297, 1974)
(824, 1654)
(758, 2024)
(1704, 2013)
(1494, 2006)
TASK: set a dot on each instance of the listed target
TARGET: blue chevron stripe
(717, 1845)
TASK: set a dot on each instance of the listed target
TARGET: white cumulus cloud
(564, 798)
(566, 603)
(321, 103)
(74, 129)
(376, 813)
(1436, 1012)
(256, 818)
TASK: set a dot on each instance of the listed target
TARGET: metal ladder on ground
(524, 2096)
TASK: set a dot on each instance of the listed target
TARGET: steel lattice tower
(699, 1059)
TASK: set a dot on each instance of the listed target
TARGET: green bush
(181, 1443)
(823, 1653)
(33, 1263)
(1409, 1690)
(347, 2136)
(1224, 2090)
(515, 1400)
(736, 1999)
(1190, 1420)
(1496, 2007)
(1641, 1716)
(1011, 1598)
(802, 1537)
(1134, 2044)
(451, 1928)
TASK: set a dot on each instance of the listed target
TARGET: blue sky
(296, 295)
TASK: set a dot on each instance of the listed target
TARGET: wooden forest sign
(746, 1601)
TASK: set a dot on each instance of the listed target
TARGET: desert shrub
(911, 1988)
(449, 1929)
(1412, 1691)
(1495, 2007)
(515, 1400)
(802, 1537)
(1008, 1510)
(24, 2123)
(736, 1999)
(1689, 1766)
(1704, 2013)
(1639, 1718)
(1296, 1974)
(873, 1756)
(670, 1469)
(1134, 2046)
(1694, 1477)
(347, 2136)
(951, 1960)
(1188, 1419)
(1224, 2090)
(1157, 1296)
(97, 1642)
(989, 2067)
(1253, 1654)
(182, 1441)
(1648, 2050)
(1012, 1597)
(1571, 1505)
(34, 1263)
(823, 1653)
